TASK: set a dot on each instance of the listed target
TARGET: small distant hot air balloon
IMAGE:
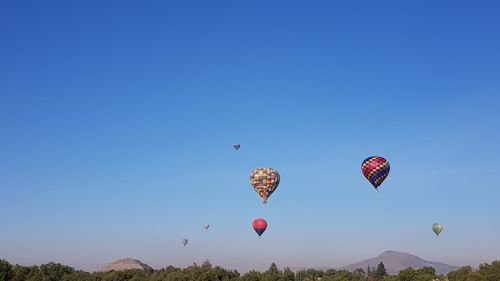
(259, 225)
(206, 226)
(375, 169)
(236, 146)
(437, 228)
(184, 242)
(264, 182)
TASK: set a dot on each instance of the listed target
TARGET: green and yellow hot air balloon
(437, 228)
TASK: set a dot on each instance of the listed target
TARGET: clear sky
(117, 121)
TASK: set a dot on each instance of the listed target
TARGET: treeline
(207, 272)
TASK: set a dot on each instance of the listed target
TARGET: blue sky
(117, 123)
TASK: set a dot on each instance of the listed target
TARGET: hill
(124, 264)
(397, 261)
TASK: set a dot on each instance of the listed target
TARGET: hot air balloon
(375, 169)
(236, 146)
(265, 181)
(259, 225)
(206, 226)
(184, 242)
(437, 228)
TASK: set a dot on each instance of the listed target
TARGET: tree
(288, 274)
(490, 272)
(22, 273)
(51, 272)
(461, 274)
(408, 274)
(273, 269)
(426, 273)
(272, 274)
(252, 276)
(359, 272)
(380, 272)
(6, 273)
(476, 276)
(80, 276)
(206, 265)
(300, 275)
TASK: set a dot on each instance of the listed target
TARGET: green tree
(314, 274)
(273, 269)
(206, 264)
(252, 276)
(408, 274)
(426, 273)
(380, 272)
(51, 272)
(80, 276)
(476, 276)
(344, 275)
(359, 272)
(6, 272)
(288, 274)
(272, 274)
(490, 272)
(300, 275)
(461, 274)
(22, 273)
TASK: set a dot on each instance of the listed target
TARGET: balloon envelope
(184, 242)
(206, 226)
(437, 228)
(264, 182)
(259, 225)
(375, 169)
(236, 146)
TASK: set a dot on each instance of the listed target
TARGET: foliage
(207, 272)
(6, 272)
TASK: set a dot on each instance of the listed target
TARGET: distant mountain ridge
(394, 262)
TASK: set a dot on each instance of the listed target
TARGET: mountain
(124, 264)
(394, 262)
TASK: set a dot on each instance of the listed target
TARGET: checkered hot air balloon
(264, 182)
(375, 169)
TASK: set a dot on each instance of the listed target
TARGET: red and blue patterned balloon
(375, 169)
(259, 225)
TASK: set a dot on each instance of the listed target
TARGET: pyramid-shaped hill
(126, 264)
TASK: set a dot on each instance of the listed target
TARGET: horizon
(118, 123)
(293, 268)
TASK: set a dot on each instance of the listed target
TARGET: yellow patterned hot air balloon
(265, 181)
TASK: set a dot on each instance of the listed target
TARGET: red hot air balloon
(259, 225)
